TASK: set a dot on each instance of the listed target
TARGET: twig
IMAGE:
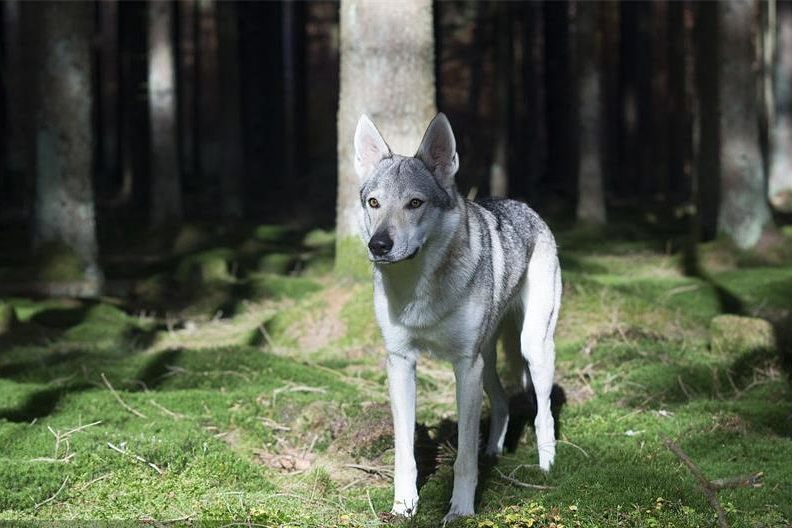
(381, 472)
(712, 487)
(575, 446)
(118, 398)
(97, 479)
(45, 501)
(371, 505)
(520, 483)
(174, 415)
(136, 457)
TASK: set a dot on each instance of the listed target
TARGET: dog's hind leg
(541, 301)
(499, 402)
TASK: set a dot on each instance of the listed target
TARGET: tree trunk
(231, 118)
(63, 213)
(107, 104)
(679, 126)
(558, 92)
(293, 17)
(166, 197)
(744, 213)
(591, 194)
(499, 169)
(780, 184)
(15, 176)
(208, 117)
(187, 57)
(387, 71)
(707, 183)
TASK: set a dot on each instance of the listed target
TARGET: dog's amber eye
(373, 203)
(415, 203)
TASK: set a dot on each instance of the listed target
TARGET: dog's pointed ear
(370, 148)
(438, 150)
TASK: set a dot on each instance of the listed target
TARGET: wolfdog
(450, 276)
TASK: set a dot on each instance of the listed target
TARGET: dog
(450, 276)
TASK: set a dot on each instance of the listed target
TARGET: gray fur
(456, 272)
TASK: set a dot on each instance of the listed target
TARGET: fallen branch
(712, 487)
(45, 501)
(136, 457)
(118, 398)
(520, 483)
(176, 416)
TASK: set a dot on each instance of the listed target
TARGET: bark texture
(591, 195)
(780, 182)
(744, 213)
(166, 199)
(63, 212)
(231, 119)
(387, 71)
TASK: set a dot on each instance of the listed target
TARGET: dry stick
(382, 472)
(118, 398)
(136, 457)
(521, 484)
(174, 415)
(712, 487)
(42, 503)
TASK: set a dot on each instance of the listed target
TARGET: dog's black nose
(380, 244)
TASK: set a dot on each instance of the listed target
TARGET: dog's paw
(456, 513)
(404, 507)
(546, 457)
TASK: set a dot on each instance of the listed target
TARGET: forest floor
(238, 382)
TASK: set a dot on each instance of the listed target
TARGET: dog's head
(404, 199)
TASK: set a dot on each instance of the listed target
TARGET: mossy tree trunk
(780, 184)
(166, 198)
(591, 194)
(387, 71)
(63, 212)
(744, 213)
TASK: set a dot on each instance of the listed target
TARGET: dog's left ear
(370, 148)
(438, 150)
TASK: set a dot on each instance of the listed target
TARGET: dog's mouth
(387, 260)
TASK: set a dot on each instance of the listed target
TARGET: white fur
(419, 311)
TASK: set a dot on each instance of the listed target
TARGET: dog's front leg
(401, 384)
(469, 393)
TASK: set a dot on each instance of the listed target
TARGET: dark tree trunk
(135, 146)
(657, 152)
(527, 173)
(706, 189)
(744, 214)
(166, 196)
(628, 182)
(502, 107)
(231, 118)
(187, 83)
(207, 123)
(63, 212)
(107, 103)
(16, 177)
(679, 125)
(591, 194)
(293, 16)
(561, 148)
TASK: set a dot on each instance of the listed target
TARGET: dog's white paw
(457, 512)
(405, 507)
(546, 457)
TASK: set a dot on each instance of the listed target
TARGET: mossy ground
(237, 379)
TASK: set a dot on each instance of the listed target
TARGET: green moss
(190, 238)
(319, 238)
(7, 317)
(736, 335)
(275, 263)
(57, 262)
(206, 267)
(350, 259)
(273, 286)
(271, 233)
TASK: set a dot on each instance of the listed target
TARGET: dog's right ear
(438, 150)
(370, 148)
